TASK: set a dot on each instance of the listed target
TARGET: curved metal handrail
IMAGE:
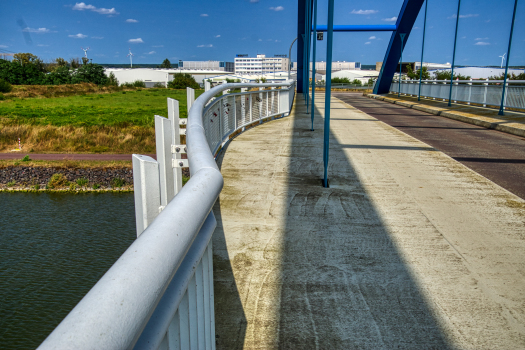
(113, 314)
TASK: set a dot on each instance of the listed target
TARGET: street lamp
(290, 58)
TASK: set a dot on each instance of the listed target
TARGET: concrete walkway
(408, 249)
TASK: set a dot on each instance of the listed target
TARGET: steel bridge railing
(487, 93)
(159, 293)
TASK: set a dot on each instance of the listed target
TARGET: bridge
(403, 247)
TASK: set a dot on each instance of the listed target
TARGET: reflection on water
(53, 249)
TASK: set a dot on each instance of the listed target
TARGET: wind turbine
(502, 59)
(130, 55)
(85, 51)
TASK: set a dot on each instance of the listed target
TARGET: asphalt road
(498, 156)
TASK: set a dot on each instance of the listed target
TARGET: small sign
(320, 36)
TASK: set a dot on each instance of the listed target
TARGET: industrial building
(260, 64)
(362, 75)
(481, 72)
(320, 67)
(207, 65)
(152, 76)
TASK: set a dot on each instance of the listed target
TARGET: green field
(120, 109)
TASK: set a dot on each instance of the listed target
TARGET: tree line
(28, 69)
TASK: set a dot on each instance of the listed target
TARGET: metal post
(422, 49)
(313, 61)
(147, 194)
(328, 90)
(163, 142)
(402, 35)
(190, 97)
(454, 55)
(308, 46)
(508, 58)
(173, 115)
(290, 58)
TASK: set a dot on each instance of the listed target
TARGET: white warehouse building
(152, 76)
(362, 75)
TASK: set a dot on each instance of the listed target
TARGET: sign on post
(320, 36)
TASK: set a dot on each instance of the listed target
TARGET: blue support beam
(358, 28)
(301, 26)
(405, 22)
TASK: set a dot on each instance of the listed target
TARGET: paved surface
(69, 156)
(512, 122)
(496, 155)
(408, 249)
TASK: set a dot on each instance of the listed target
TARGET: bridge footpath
(406, 249)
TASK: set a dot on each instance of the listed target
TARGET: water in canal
(53, 249)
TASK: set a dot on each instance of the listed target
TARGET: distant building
(152, 76)
(415, 66)
(320, 67)
(362, 75)
(207, 65)
(260, 64)
(481, 72)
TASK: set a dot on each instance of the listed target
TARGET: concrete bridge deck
(408, 249)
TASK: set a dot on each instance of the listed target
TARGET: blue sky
(217, 30)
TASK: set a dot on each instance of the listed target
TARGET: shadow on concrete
(345, 285)
(231, 330)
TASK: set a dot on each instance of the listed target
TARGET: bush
(2, 97)
(159, 85)
(117, 182)
(26, 159)
(82, 182)
(112, 80)
(182, 81)
(57, 180)
(357, 82)
(340, 81)
(11, 183)
(96, 186)
(5, 86)
(136, 83)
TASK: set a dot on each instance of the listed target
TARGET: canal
(53, 248)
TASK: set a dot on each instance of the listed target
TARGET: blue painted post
(402, 35)
(454, 56)
(507, 64)
(308, 35)
(300, 45)
(422, 49)
(328, 90)
(313, 62)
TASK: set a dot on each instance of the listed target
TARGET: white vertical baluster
(147, 190)
(212, 301)
(163, 143)
(192, 305)
(173, 115)
(206, 292)
(184, 322)
(174, 333)
(200, 306)
(207, 85)
(485, 94)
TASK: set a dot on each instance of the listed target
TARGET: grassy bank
(98, 122)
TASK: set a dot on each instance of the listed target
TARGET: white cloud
(482, 43)
(97, 37)
(392, 19)
(81, 6)
(218, 36)
(372, 38)
(278, 8)
(39, 30)
(277, 41)
(367, 43)
(464, 16)
(480, 39)
(364, 12)
(158, 46)
(131, 20)
(78, 36)
(5, 46)
(150, 53)
(204, 15)
(210, 45)
(259, 40)
(41, 45)
(136, 41)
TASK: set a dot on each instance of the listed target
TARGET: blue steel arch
(405, 22)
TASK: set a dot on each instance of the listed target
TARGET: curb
(459, 116)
